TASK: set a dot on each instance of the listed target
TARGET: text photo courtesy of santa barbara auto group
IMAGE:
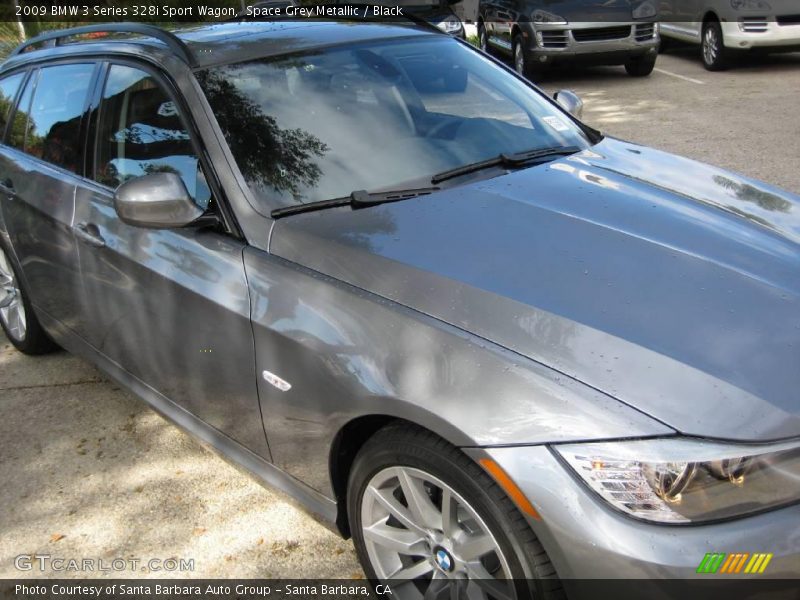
(400, 299)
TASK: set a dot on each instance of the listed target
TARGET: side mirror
(157, 200)
(570, 102)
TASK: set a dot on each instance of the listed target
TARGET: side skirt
(320, 507)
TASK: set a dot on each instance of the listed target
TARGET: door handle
(7, 188)
(89, 234)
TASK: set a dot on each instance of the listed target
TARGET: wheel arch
(349, 440)
(711, 16)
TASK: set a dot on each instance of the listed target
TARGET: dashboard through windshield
(374, 116)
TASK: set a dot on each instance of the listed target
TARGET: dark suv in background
(539, 33)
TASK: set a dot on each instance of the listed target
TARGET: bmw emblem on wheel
(443, 560)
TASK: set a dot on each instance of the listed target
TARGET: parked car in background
(724, 27)
(436, 12)
(537, 34)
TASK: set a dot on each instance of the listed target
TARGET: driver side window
(140, 131)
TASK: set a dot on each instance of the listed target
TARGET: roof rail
(172, 41)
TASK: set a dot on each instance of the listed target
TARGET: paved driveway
(745, 119)
(89, 472)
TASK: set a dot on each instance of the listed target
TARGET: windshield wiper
(517, 159)
(363, 198)
(357, 199)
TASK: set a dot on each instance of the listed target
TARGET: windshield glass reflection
(374, 116)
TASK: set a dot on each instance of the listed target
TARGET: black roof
(234, 41)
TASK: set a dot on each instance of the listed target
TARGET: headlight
(750, 5)
(645, 10)
(543, 16)
(450, 25)
(675, 480)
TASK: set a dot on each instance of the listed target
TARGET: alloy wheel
(417, 528)
(710, 45)
(12, 309)
(519, 59)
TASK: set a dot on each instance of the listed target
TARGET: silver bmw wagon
(501, 351)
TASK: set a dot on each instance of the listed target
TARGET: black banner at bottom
(333, 589)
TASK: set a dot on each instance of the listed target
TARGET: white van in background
(722, 27)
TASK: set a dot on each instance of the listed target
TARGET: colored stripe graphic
(711, 562)
(734, 563)
(732, 560)
(720, 562)
(758, 563)
(741, 562)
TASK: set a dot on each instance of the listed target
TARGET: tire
(405, 457)
(17, 318)
(483, 38)
(641, 66)
(712, 46)
(520, 60)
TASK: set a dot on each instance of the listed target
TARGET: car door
(504, 19)
(171, 306)
(688, 18)
(39, 169)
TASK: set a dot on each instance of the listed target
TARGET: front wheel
(713, 47)
(16, 314)
(522, 63)
(641, 66)
(427, 518)
(483, 37)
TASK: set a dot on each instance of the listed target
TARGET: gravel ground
(744, 119)
(90, 472)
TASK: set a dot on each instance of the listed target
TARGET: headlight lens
(676, 480)
(543, 16)
(450, 25)
(750, 5)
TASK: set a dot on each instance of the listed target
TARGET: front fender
(347, 353)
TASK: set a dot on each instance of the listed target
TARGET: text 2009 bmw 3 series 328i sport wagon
(496, 348)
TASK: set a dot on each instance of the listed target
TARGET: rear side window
(52, 131)
(8, 90)
(19, 122)
(140, 131)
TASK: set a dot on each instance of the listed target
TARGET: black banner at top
(70, 12)
(93, 11)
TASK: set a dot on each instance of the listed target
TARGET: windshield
(374, 116)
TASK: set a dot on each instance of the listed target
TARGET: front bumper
(580, 42)
(586, 539)
(772, 35)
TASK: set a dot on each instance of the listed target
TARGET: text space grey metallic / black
(388, 276)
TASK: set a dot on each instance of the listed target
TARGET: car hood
(668, 284)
